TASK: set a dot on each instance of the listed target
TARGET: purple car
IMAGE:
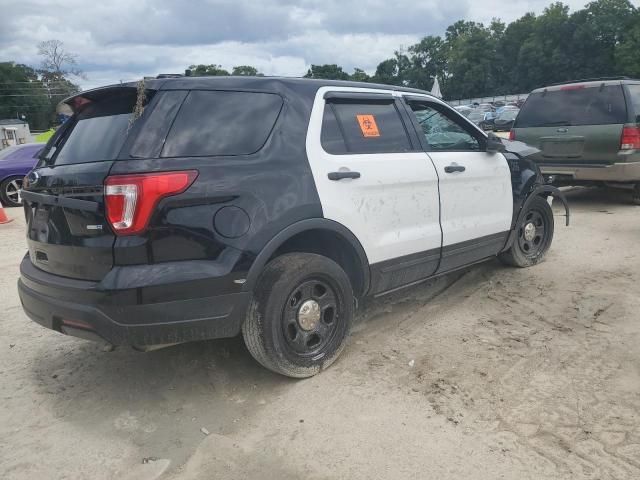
(15, 163)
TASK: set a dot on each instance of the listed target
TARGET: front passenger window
(443, 133)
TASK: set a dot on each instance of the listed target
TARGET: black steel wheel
(534, 234)
(10, 192)
(531, 232)
(636, 194)
(300, 314)
(310, 317)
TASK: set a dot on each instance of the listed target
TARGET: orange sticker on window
(368, 125)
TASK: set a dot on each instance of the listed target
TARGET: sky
(125, 40)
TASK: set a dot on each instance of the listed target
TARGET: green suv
(588, 132)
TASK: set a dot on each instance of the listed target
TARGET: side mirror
(494, 144)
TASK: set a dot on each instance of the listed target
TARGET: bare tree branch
(57, 61)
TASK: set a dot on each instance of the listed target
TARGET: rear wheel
(534, 234)
(10, 192)
(300, 315)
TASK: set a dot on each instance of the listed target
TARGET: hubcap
(309, 315)
(529, 232)
(310, 318)
(532, 235)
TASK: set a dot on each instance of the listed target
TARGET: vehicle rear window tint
(371, 127)
(149, 142)
(574, 106)
(97, 132)
(331, 137)
(634, 91)
(212, 123)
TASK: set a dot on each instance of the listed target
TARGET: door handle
(341, 175)
(454, 167)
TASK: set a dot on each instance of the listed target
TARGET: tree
(359, 75)
(246, 70)
(327, 72)
(208, 71)
(56, 61)
(22, 94)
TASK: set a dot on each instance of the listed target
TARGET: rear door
(373, 177)
(67, 232)
(574, 124)
(475, 186)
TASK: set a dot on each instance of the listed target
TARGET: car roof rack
(597, 79)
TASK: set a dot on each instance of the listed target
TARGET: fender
(542, 191)
(304, 225)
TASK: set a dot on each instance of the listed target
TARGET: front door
(475, 186)
(373, 177)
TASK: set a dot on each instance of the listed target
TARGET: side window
(361, 127)
(212, 123)
(442, 132)
(331, 136)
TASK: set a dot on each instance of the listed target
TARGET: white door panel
(393, 208)
(476, 202)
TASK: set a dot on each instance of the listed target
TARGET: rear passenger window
(360, 127)
(212, 123)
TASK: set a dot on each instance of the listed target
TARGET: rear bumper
(617, 172)
(121, 317)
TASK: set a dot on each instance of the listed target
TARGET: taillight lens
(131, 199)
(630, 139)
(512, 134)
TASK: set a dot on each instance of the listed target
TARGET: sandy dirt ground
(492, 373)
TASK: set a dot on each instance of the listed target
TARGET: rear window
(213, 123)
(634, 92)
(361, 127)
(97, 133)
(574, 106)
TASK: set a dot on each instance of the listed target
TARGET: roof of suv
(304, 86)
(590, 82)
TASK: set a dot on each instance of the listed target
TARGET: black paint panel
(466, 253)
(405, 270)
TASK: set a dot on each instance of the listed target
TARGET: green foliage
(208, 71)
(472, 59)
(327, 72)
(246, 70)
(25, 92)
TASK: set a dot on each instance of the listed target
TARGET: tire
(277, 332)
(636, 195)
(9, 192)
(530, 245)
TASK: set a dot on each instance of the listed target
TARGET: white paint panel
(393, 208)
(476, 202)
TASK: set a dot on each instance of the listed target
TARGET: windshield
(574, 106)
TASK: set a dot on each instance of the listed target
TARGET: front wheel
(10, 192)
(300, 315)
(534, 234)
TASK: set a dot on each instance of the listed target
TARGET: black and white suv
(264, 206)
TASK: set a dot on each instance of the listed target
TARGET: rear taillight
(131, 199)
(512, 134)
(630, 139)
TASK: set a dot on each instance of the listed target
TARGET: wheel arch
(536, 191)
(321, 236)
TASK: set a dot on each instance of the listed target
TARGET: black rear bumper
(122, 317)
